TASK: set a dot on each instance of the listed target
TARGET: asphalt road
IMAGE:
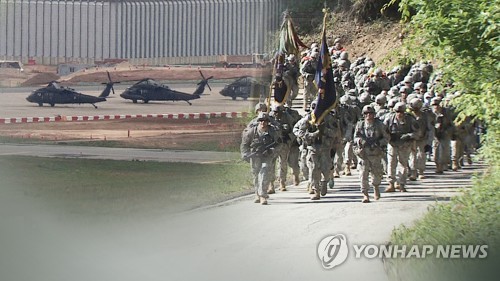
(13, 103)
(233, 240)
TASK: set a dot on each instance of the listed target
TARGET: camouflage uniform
(308, 70)
(462, 143)
(294, 155)
(257, 146)
(420, 147)
(442, 136)
(319, 140)
(291, 76)
(287, 137)
(350, 160)
(370, 140)
(381, 112)
(402, 134)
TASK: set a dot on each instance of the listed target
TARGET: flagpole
(327, 95)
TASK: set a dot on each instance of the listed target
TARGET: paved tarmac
(13, 103)
(233, 240)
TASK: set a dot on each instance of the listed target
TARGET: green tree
(463, 37)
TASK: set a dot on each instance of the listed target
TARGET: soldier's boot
(316, 195)
(390, 188)
(347, 170)
(454, 165)
(257, 199)
(376, 192)
(263, 201)
(323, 188)
(401, 187)
(271, 188)
(309, 188)
(439, 169)
(365, 199)
(331, 183)
(296, 179)
(413, 175)
(469, 160)
(336, 174)
(282, 186)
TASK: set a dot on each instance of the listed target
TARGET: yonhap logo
(333, 250)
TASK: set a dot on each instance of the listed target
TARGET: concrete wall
(145, 32)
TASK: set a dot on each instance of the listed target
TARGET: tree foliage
(463, 37)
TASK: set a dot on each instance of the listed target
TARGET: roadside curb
(69, 118)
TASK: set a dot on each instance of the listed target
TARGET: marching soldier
(370, 139)
(418, 153)
(258, 147)
(294, 155)
(291, 76)
(308, 70)
(442, 136)
(319, 140)
(283, 149)
(350, 160)
(403, 130)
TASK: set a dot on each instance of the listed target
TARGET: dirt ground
(202, 134)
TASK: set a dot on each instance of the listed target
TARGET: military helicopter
(148, 89)
(54, 94)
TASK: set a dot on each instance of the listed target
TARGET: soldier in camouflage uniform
(294, 155)
(421, 145)
(319, 140)
(308, 70)
(350, 160)
(283, 149)
(442, 135)
(291, 76)
(403, 130)
(370, 140)
(258, 147)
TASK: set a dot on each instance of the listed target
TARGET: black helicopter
(54, 94)
(150, 90)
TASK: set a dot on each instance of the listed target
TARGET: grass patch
(469, 219)
(121, 188)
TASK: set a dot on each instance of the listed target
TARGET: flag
(289, 43)
(289, 40)
(327, 95)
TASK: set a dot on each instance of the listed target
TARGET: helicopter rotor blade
(202, 76)
(206, 79)
(111, 82)
(208, 84)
